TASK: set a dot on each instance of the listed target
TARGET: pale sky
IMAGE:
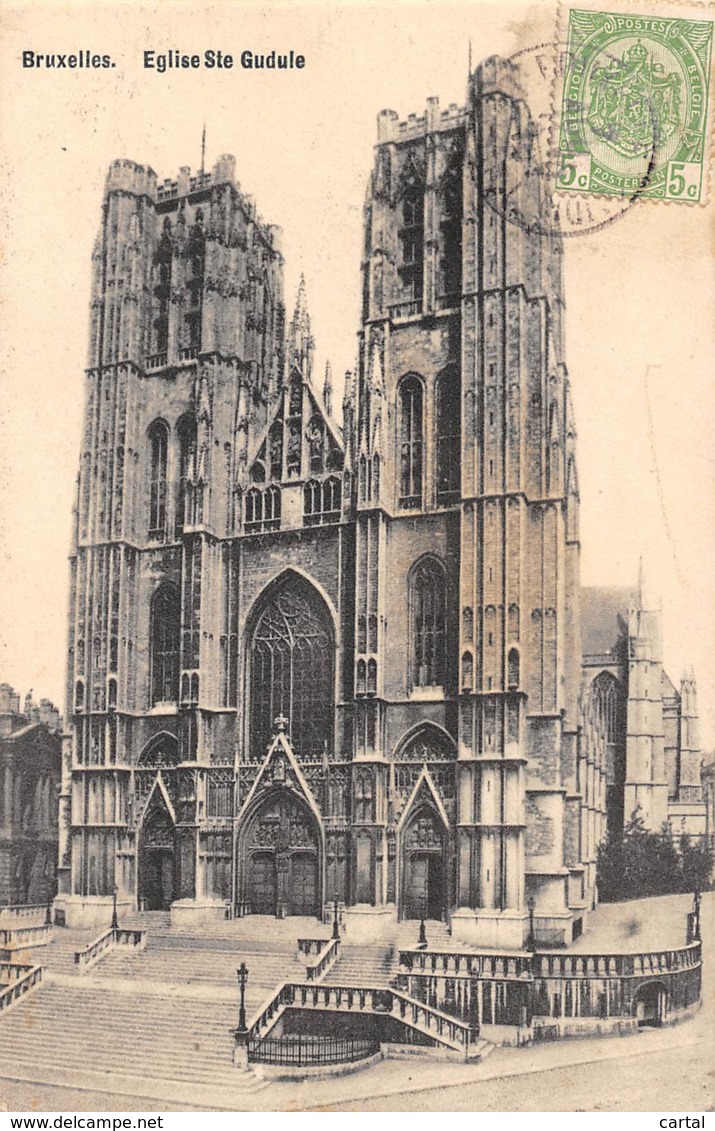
(639, 293)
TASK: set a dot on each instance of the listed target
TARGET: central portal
(281, 859)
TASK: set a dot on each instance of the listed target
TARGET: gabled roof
(604, 618)
(317, 405)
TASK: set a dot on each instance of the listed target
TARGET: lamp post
(115, 920)
(696, 915)
(422, 940)
(336, 921)
(48, 913)
(531, 938)
(242, 974)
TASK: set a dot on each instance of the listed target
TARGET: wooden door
(416, 886)
(303, 884)
(262, 883)
(435, 887)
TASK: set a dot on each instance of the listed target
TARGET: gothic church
(313, 660)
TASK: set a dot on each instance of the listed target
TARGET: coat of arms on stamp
(635, 106)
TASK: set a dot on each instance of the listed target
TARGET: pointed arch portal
(280, 851)
(157, 857)
(424, 864)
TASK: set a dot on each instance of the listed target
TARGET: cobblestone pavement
(650, 1082)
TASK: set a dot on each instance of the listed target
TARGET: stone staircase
(438, 935)
(201, 963)
(57, 957)
(154, 1021)
(82, 1026)
(364, 966)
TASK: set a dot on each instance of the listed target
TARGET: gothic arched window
(165, 628)
(187, 470)
(412, 238)
(159, 446)
(254, 510)
(606, 697)
(448, 435)
(292, 671)
(162, 289)
(428, 623)
(513, 668)
(411, 442)
(272, 508)
(196, 257)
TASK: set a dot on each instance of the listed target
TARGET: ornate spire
(328, 389)
(300, 340)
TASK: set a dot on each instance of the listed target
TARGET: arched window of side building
(606, 692)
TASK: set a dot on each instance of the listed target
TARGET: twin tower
(314, 659)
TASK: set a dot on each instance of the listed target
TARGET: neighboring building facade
(30, 771)
(651, 727)
(308, 662)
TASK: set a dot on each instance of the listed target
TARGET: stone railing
(25, 936)
(444, 1030)
(311, 946)
(549, 965)
(467, 964)
(518, 990)
(11, 913)
(327, 958)
(90, 955)
(16, 980)
(406, 309)
(156, 361)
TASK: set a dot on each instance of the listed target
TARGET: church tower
(467, 528)
(689, 783)
(646, 784)
(186, 353)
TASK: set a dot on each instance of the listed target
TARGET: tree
(637, 862)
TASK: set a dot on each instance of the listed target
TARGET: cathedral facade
(313, 661)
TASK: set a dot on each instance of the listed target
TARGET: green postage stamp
(634, 113)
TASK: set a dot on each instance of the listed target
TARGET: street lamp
(336, 922)
(531, 938)
(48, 913)
(115, 920)
(696, 915)
(422, 940)
(242, 974)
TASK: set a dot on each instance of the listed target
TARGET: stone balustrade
(515, 989)
(16, 980)
(12, 913)
(23, 936)
(324, 961)
(446, 1030)
(104, 943)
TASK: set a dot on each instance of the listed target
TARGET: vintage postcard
(357, 503)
